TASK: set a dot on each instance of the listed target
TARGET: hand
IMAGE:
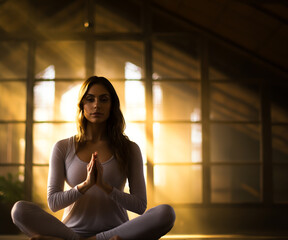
(91, 175)
(98, 171)
(94, 176)
(99, 177)
(91, 170)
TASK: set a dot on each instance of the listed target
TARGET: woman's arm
(57, 197)
(136, 201)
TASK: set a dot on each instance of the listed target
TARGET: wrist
(83, 187)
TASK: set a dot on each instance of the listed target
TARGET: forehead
(97, 89)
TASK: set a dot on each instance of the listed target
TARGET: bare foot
(40, 237)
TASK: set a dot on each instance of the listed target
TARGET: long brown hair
(115, 126)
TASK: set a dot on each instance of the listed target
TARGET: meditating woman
(96, 164)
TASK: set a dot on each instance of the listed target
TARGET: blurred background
(203, 86)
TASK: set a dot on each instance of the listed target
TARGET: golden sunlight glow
(184, 137)
(196, 143)
(22, 150)
(157, 101)
(68, 104)
(136, 133)
(132, 71)
(135, 100)
(134, 93)
(44, 95)
(196, 134)
(47, 73)
(196, 137)
(135, 106)
(135, 110)
(195, 115)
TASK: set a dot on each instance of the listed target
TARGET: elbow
(142, 207)
(51, 204)
(53, 209)
(141, 211)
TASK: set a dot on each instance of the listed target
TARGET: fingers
(91, 164)
(96, 161)
(94, 157)
(95, 168)
(99, 166)
(91, 167)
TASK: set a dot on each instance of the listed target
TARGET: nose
(96, 103)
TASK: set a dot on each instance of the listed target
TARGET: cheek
(85, 109)
(86, 106)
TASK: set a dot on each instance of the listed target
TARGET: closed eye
(104, 98)
(90, 98)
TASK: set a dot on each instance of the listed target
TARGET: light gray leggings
(153, 224)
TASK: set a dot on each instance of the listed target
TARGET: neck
(96, 132)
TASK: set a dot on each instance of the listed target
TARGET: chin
(95, 121)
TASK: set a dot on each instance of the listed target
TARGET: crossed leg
(152, 225)
(35, 223)
(40, 225)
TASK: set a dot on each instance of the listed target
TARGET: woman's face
(97, 104)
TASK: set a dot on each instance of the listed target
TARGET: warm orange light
(68, 104)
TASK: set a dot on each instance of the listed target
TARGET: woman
(96, 163)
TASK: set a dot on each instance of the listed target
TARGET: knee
(167, 215)
(20, 211)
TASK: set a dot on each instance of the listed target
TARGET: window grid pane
(176, 101)
(235, 184)
(11, 52)
(46, 135)
(177, 143)
(176, 58)
(170, 182)
(235, 143)
(12, 148)
(55, 100)
(119, 59)
(13, 93)
(234, 102)
(60, 59)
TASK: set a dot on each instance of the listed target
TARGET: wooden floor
(186, 237)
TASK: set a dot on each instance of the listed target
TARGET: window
(177, 134)
(13, 108)
(234, 130)
(206, 117)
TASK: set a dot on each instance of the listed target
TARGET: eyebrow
(102, 95)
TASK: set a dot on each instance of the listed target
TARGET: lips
(96, 114)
